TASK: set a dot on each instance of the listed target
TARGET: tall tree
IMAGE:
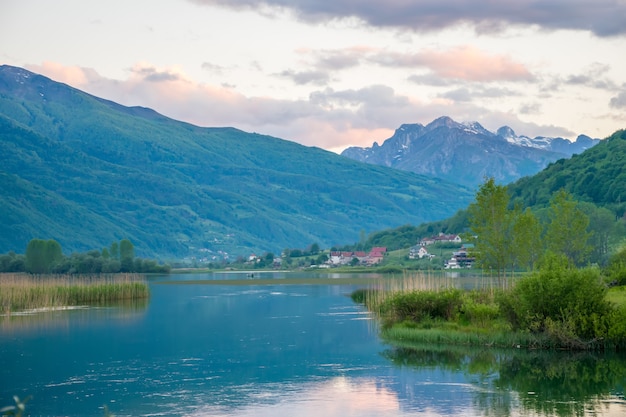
(527, 239)
(36, 257)
(115, 250)
(605, 231)
(53, 253)
(491, 221)
(566, 233)
(127, 255)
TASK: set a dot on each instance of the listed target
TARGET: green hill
(597, 175)
(86, 172)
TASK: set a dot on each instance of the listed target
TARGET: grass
(20, 292)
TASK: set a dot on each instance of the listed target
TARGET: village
(458, 254)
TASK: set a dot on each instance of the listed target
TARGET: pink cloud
(472, 64)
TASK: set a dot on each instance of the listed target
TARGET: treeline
(46, 257)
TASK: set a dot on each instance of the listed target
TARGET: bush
(420, 305)
(568, 304)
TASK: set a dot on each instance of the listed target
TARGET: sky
(337, 73)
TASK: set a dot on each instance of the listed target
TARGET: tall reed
(19, 292)
(386, 288)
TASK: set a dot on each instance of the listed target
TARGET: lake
(271, 345)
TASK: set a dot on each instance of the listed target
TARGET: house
(418, 251)
(376, 255)
(345, 257)
(460, 259)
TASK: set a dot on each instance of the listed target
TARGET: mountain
(87, 171)
(466, 153)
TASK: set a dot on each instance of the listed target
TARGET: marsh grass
(20, 292)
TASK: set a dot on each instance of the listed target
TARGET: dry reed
(19, 292)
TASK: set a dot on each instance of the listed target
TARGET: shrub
(566, 303)
(420, 305)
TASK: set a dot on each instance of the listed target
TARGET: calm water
(277, 350)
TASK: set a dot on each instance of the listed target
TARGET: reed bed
(21, 292)
(386, 288)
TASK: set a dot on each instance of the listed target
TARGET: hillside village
(460, 256)
(459, 259)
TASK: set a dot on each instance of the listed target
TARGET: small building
(418, 252)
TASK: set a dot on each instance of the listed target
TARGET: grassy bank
(19, 292)
(552, 309)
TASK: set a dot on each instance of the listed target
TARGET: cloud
(530, 108)
(619, 101)
(601, 17)
(307, 77)
(465, 63)
(594, 77)
(468, 94)
(329, 118)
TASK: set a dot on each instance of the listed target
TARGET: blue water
(251, 350)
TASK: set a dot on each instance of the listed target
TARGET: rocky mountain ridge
(466, 153)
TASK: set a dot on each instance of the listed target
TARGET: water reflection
(61, 317)
(340, 396)
(514, 382)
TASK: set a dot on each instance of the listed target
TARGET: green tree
(527, 239)
(127, 250)
(42, 255)
(127, 255)
(315, 249)
(566, 233)
(53, 253)
(491, 221)
(36, 262)
(322, 259)
(115, 250)
(604, 229)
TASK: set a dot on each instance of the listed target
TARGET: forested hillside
(597, 175)
(86, 171)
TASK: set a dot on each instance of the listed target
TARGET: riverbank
(20, 292)
(552, 309)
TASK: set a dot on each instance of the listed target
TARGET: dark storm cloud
(602, 17)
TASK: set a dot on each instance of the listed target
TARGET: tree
(491, 221)
(42, 255)
(315, 249)
(53, 253)
(115, 250)
(566, 233)
(604, 229)
(127, 250)
(527, 239)
(35, 257)
(127, 255)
